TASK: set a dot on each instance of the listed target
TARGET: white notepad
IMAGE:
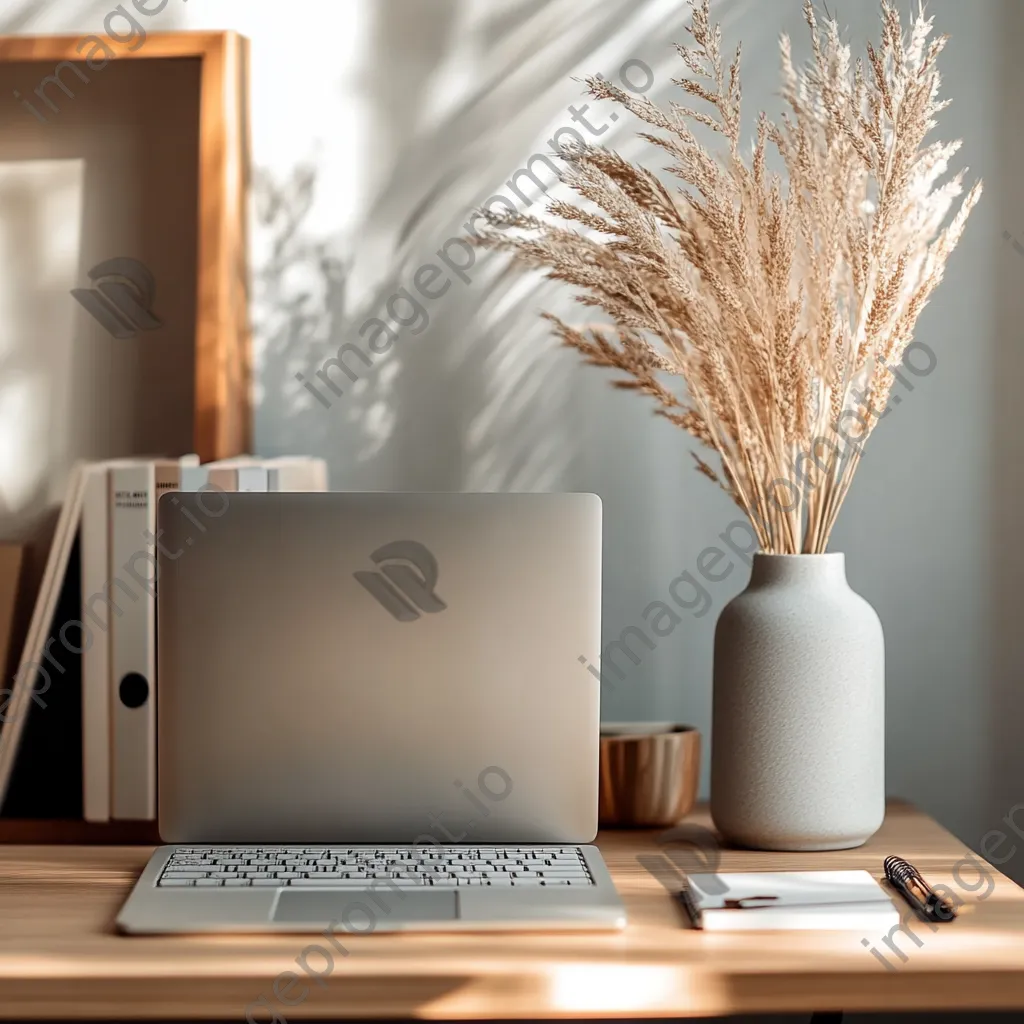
(790, 900)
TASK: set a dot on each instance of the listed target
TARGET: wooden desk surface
(59, 956)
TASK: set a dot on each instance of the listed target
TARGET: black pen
(693, 912)
(907, 881)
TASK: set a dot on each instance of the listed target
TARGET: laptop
(373, 716)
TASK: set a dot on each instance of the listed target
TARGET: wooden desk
(59, 957)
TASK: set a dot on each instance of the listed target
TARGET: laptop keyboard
(359, 867)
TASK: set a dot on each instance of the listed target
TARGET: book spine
(132, 641)
(167, 477)
(319, 476)
(223, 477)
(252, 478)
(193, 478)
(96, 749)
(297, 475)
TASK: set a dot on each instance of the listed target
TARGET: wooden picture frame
(222, 424)
(220, 367)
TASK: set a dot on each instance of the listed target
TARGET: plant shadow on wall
(298, 307)
(1006, 702)
(18, 17)
(464, 390)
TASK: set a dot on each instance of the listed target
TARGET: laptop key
(318, 882)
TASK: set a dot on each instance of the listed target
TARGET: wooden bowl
(650, 772)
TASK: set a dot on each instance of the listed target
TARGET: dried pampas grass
(780, 302)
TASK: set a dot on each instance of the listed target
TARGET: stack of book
(95, 618)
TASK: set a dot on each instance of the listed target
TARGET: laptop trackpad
(361, 907)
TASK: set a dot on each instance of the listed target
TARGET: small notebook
(788, 901)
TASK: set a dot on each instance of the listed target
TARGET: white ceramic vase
(798, 717)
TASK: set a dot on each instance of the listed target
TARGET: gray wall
(378, 123)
